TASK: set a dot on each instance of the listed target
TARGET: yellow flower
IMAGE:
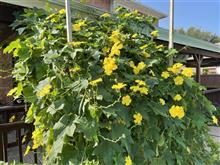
(178, 80)
(138, 68)
(77, 26)
(137, 118)
(188, 72)
(154, 33)
(62, 11)
(135, 88)
(44, 91)
(106, 49)
(128, 160)
(115, 36)
(126, 15)
(177, 111)
(105, 15)
(116, 49)
(134, 35)
(162, 101)
(76, 43)
(165, 74)
(37, 137)
(178, 97)
(160, 47)
(27, 150)
(95, 82)
(144, 46)
(119, 86)
(126, 100)
(214, 120)
(175, 68)
(140, 82)
(74, 69)
(145, 54)
(141, 65)
(143, 90)
(12, 119)
(50, 16)
(109, 65)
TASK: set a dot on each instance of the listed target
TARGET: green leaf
(56, 106)
(106, 151)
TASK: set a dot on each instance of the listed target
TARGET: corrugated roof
(188, 41)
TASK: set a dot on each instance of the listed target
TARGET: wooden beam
(207, 62)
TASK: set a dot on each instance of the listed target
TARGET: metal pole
(68, 21)
(171, 24)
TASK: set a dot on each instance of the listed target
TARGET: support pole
(68, 21)
(198, 59)
(171, 24)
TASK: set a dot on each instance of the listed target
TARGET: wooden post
(1, 147)
(198, 59)
(68, 21)
(171, 24)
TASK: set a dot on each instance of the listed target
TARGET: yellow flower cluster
(109, 65)
(115, 36)
(37, 137)
(175, 68)
(178, 97)
(140, 87)
(187, 72)
(214, 120)
(162, 101)
(138, 68)
(118, 86)
(128, 160)
(126, 100)
(95, 82)
(77, 27)
(178, 80)
(116, 49)
(44, 91)
(165, 75)
(177, 111)
(137, 118)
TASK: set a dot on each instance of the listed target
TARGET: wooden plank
(6, 127)
(12, 109)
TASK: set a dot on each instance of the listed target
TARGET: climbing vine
(108, 97)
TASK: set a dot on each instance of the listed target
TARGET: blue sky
(204, 14)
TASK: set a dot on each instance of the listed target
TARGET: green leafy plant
(108, 97)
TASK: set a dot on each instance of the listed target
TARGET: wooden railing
(214, 96)
(18, 126)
